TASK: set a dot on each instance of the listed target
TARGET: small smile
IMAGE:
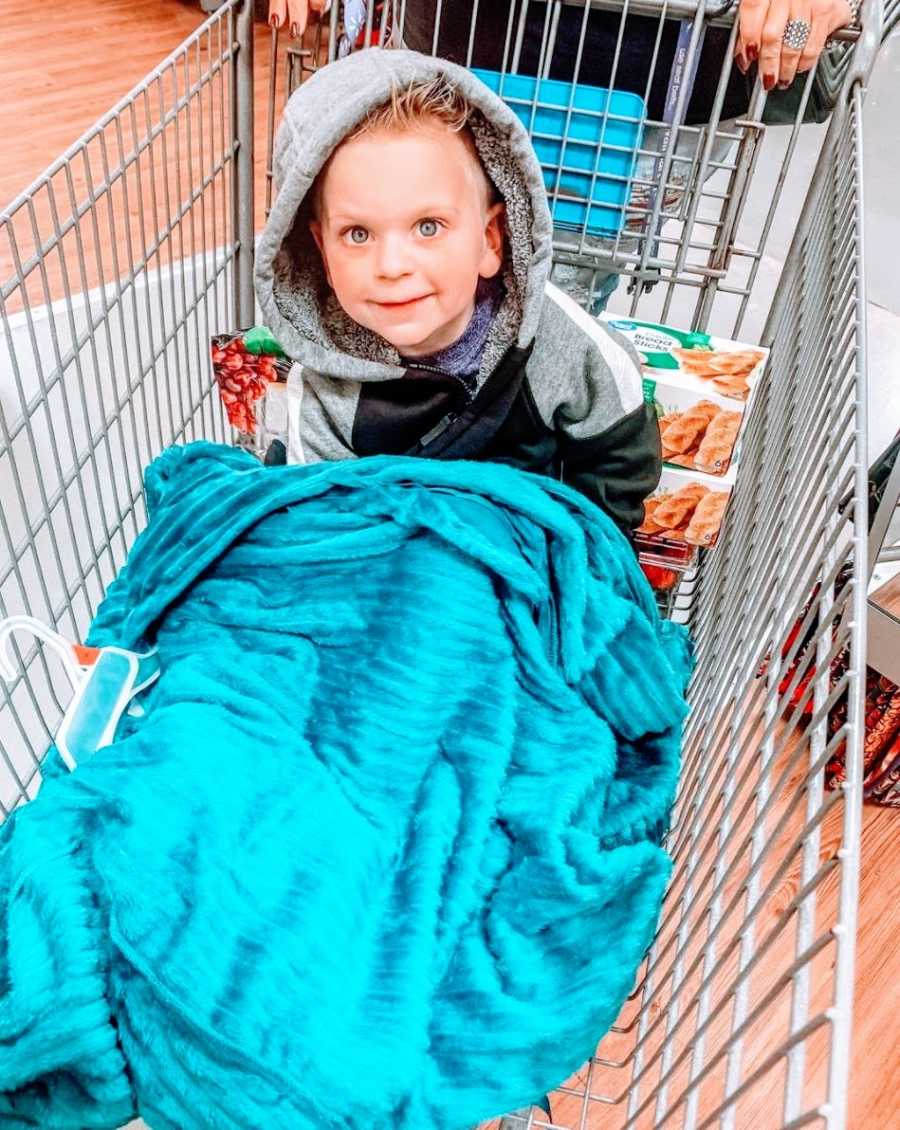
(405, 304)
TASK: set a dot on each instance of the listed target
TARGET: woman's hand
(295, 13)
(762, 29)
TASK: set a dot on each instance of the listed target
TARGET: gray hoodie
(556, 392)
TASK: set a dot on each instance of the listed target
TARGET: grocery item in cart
(244, 365)
(699, 433)
(660, 578)
(686, 508)
(703, 363)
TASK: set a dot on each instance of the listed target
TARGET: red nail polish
(768, 82)
(752, 53)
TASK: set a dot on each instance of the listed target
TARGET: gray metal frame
(136, 246)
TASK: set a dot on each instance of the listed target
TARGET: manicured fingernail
(784, 86)
(752, 53)
(768, 82)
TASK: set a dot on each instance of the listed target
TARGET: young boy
(405, 266)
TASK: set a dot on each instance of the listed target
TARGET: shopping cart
(136, 246)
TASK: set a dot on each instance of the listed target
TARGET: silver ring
(796, 33)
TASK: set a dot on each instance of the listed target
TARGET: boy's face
(405, 230)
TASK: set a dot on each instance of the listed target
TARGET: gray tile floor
(882, 204)
(882, 221)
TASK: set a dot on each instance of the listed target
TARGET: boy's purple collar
(463, 357)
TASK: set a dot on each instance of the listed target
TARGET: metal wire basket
(136, 246)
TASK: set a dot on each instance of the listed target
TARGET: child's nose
(393, 258)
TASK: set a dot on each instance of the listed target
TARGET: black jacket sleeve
(618, 468)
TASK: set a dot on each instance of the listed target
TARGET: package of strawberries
(248, 366)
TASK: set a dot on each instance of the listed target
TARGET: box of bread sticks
(684, 513)
(693, 361)
(699, 434)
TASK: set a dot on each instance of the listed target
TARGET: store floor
(61, 66)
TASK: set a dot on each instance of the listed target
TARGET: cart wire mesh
(116, 264)
(135, 247)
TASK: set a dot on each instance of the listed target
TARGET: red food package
(244, 365)
(660, 579)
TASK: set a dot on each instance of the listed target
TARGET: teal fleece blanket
(384, 849)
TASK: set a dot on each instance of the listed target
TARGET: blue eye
(358, 235)
(428, 228)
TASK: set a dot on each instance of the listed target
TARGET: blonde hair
(421, 102)
(436, 99)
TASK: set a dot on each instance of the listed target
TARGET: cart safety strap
(105, 681)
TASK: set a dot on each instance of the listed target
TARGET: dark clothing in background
(635, 55)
